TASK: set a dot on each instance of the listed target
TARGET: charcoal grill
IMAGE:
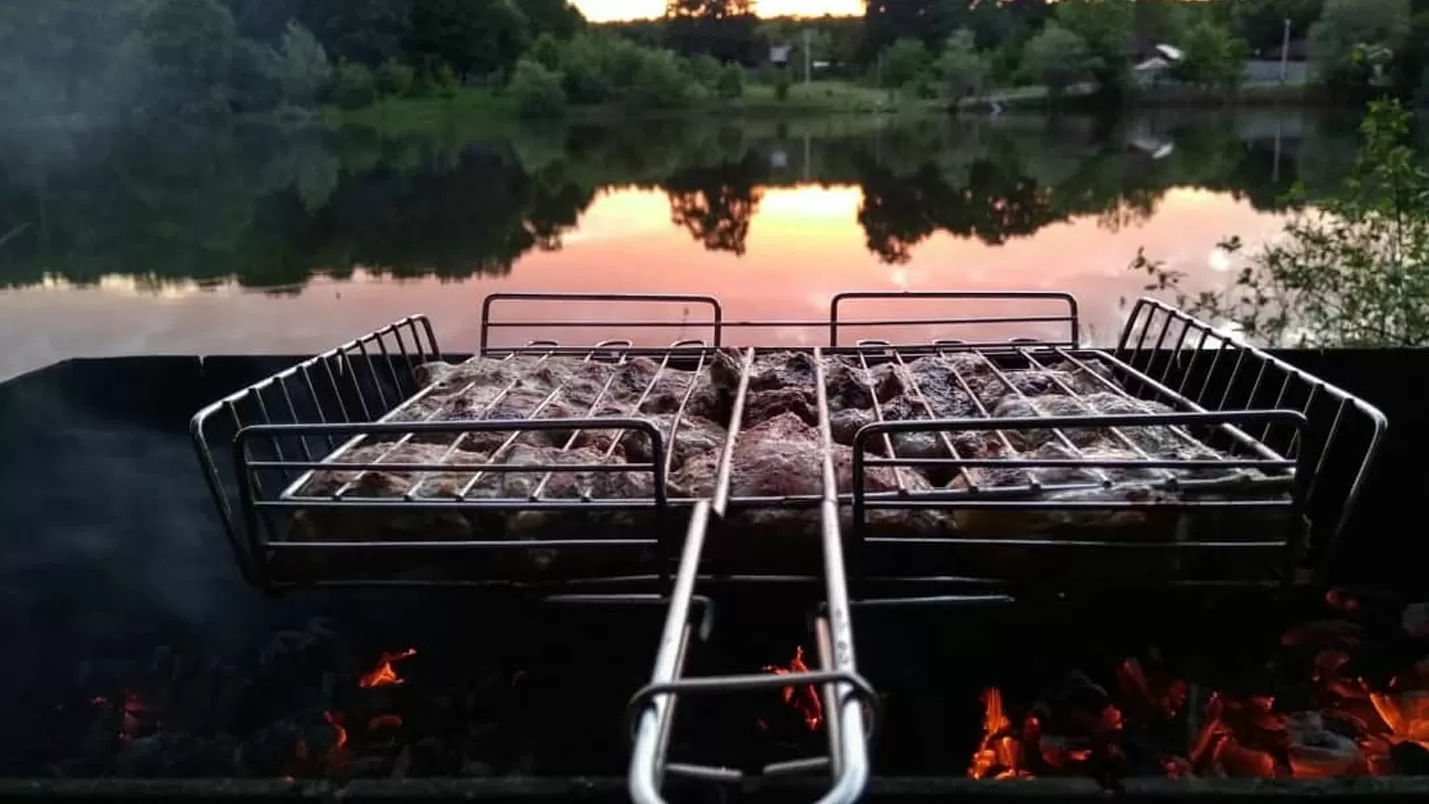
(1311, 443)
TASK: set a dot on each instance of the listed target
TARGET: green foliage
(473, 37)
(1105, 27)
(782, 81)
(535, 90)
(1214, 59)
(1354, 271)
(1345, 31)
(1058, 58)
(904, 62)
(1261, 23)
(396, 79)
(186, 51)
(963, 70)
(302, 65)
(659, 82)
(546, 51)
(730, 83)
(353, 85)
(704, 68)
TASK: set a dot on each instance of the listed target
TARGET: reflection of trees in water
(272, 206)
(716, 204)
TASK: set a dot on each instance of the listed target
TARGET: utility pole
(1285, 53)
(808, 60)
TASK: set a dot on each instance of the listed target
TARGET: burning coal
(804, 699)
(1328, 714)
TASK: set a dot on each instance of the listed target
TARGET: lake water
(254, 239)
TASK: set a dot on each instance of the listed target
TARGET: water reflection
(788, 211)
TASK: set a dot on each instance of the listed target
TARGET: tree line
(204, 58)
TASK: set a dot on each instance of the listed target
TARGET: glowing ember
(804, 698)
(1405, 713)
(385, 674)
(384, 722)
(335, 754)
(999, 755)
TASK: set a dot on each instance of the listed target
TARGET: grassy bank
(485, 110)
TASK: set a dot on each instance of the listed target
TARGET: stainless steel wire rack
(1264, 459)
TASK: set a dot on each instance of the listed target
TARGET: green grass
(464, 108)
(484, 111)
(824, 96)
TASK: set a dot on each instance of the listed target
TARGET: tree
(475, 37)
(1346, 28)
(904, 62)
(1058, 58)
(724, 29)
(535, 90)
(1351, 272)
(555, 17)
(186, 49)
(396, 78)
(730, 83)
(1106, 28)
(302, 64)
(962, 68)
(885, 22)
(353, 85)
(1261, 23)
(1213, 58)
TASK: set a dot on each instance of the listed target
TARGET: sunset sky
(604, 10)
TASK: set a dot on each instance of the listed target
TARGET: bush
(705, 69)
(730, 83)
(535, 90)
(782, 82)
(353, 86)
(396, 78)
(659, 83)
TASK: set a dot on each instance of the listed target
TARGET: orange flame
(804, 698)
(1406, 714)
(999, 755)
(385, 674)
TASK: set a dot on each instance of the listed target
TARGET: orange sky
(604, 10)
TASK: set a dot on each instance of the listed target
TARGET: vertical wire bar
(293, 412)
(878, 412)
(317, 403)
(972, 476)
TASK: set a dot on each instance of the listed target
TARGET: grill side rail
(1169, 352)
(358, 381)
(1062, 316)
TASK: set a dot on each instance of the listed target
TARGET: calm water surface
(252, 240)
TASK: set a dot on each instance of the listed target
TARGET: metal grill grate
(1211, 441)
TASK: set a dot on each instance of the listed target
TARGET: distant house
(779, 54)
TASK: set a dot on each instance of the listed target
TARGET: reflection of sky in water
(804, 245)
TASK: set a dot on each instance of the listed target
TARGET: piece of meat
(761, 406)
(346, 524)
(694, 436)
(846, 385)
(779, 457)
